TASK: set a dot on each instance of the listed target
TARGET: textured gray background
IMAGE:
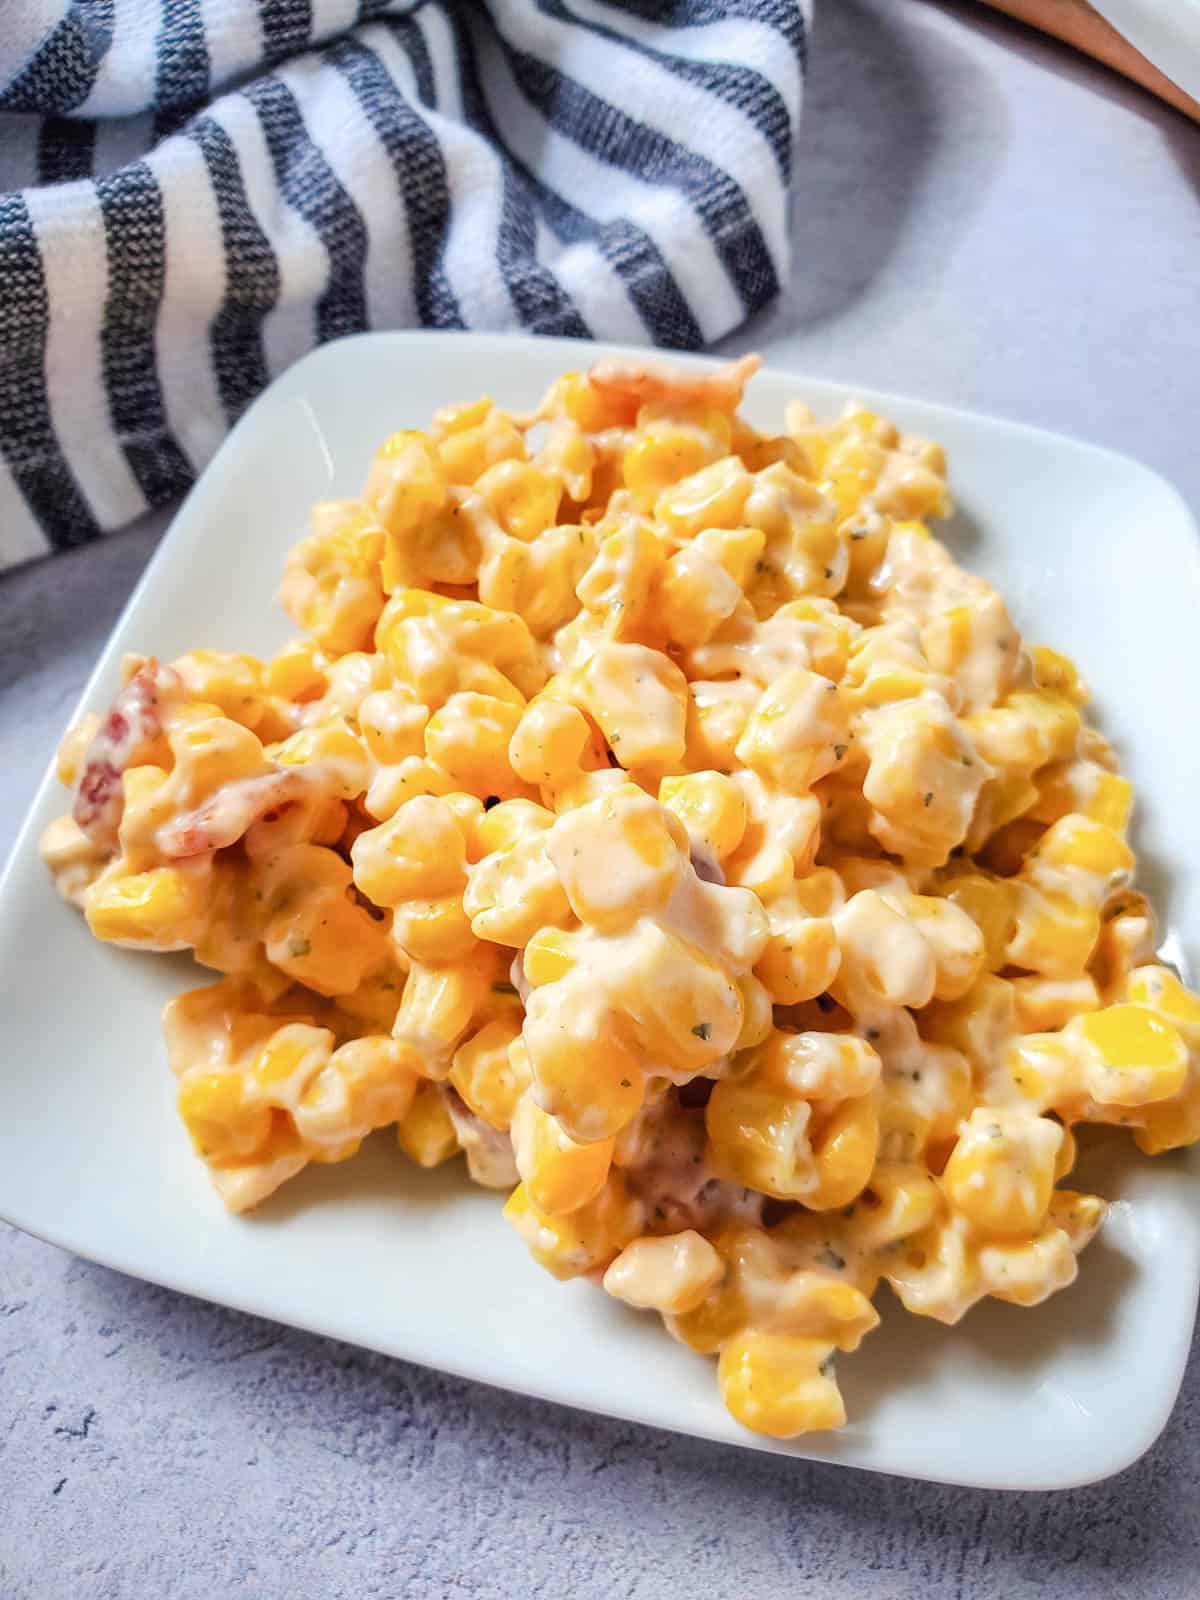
(981, 219)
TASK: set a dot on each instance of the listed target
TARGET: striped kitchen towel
(195, 192)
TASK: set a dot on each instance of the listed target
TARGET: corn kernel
(162, 909)
(1001, 1172)
(711, 807)
(225, 1126)
(671, 1274)
(582, 1240)
(780, 1385)
(490, 1077)
(425, 1133)
(1134, 1056)
(559, 1175)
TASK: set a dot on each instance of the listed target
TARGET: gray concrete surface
(981, 219)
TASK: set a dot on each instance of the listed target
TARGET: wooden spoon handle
(1078, 24)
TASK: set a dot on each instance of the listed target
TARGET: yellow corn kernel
(365, 1084)
(559, 1175)
(225, 1127)
(392, 786)
(1057, 674)
(845, 1144)
(419, 853)
(735, 549)
(764, 1134)
(585, 1075)
(583, 1240)
(638, 698)
(1085, 787)
(438, 1004)
(392, 725)
(319, 935)
(1001, 1172)
(616, 858)
(515, 892)
(468, 738)
(1134, 1056)
(716, 718)
(435, 932)
(1053, 933)
(796, 731)
(489, 1075)
(954, 940)
(900, 1199)
(694, 595)
(671, 1274)
(162, 909)
(935, 1273)
(1045, 1004)
(287, 1061)
(618, 585)
(1078, 1215)
(72, 749)
(1090, 847)
(988, 903)
(1171, 1124)
(522, 498)
(712, 497)
(780, 1385)
(548, 957)
(405, 486)
(332, 586)
(801, 959)
(664, 452)
(425, 1133)
(503, 827)
(298, 672)
(1043, 1068)
(467, 452)
(234, 682)
(886, 960)
(550, 743)
(456, 418)
(711, 807)
(336, 748)
(767, 869)
(1159, 988)
(568, 455)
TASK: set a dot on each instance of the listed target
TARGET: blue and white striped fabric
(195, 192)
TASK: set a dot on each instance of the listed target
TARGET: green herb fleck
(928, 798)
(703, 1030)
(299, 947)
(830, 1258)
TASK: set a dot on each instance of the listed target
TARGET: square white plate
(1096, 555)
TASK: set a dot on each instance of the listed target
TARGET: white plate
(1096, 554)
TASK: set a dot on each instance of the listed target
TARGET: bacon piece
(134, 720)
(232, 809)
(489, 1152)
(647, 382)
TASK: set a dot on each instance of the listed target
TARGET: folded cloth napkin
(195, 192)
